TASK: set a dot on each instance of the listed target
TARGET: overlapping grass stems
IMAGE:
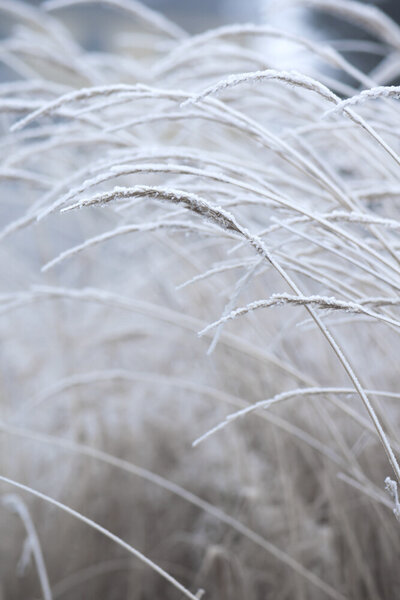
(260, 193)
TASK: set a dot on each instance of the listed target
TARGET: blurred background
(196, 16)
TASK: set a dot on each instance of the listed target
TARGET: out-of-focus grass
(150, 188)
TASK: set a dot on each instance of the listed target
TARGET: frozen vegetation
(199, 308)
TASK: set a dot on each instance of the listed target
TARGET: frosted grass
(167, 185)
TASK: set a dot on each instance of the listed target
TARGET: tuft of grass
(170, 185)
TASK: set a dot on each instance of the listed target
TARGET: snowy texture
(166, 185)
